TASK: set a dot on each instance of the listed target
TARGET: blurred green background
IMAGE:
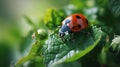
(16, 32)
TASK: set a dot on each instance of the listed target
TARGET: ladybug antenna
(78, 17)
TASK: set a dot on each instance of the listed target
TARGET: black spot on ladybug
(79, 26)
(86, 21)
(78, 17)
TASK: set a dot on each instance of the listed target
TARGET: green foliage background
(42, 47)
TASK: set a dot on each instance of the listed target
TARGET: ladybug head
(65, 27)
(73, 23)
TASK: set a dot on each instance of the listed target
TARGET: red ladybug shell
(77, 22)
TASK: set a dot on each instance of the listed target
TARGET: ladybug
(73, 23)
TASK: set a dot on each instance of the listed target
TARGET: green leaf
(102, 57)
(29, 21)
(115, 7)
(53, 18)
(116, 43)
(32, 54)
(39, 36)
(26, 43)
(73, 47)
(71, 64)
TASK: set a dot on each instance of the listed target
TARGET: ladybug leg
(62, 37)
